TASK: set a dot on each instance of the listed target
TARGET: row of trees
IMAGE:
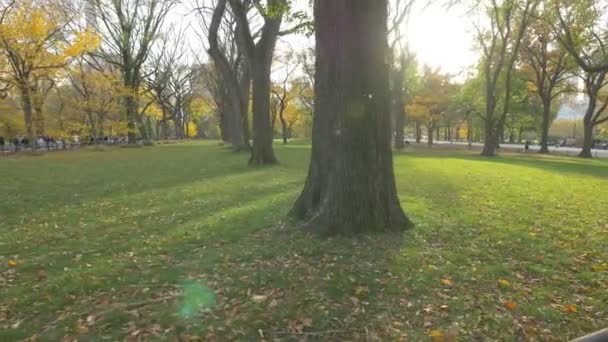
(534, 54)
(549, 44)
(121, 69)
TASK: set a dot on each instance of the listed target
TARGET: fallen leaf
(359, 290)
(437, 336)
(12, 263)
(307, 322)
(510, 305)
(446, 282)
(504, 283)
(258, 298)
(570, 308)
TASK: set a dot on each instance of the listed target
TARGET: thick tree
(233, 70)
(351, 184)
(259, 57)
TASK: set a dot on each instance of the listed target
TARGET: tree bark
(233, 105)
(245, 87)
(28, 112)
(587, 138)
(430, 135)
(259, 58)
(351, 185)
(261, 152)
(489, 142)
(418, 132)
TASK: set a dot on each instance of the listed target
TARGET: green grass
(100, 238)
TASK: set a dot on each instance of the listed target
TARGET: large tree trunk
(544, 140)
(430, 135)
(28, 113)
(245, 88)
(131, 108)
(38, 119)
(261, 152)
(351, 185)
(418, 132)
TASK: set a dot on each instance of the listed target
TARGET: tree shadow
(552, 163)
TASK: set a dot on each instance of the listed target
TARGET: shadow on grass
(559, 164)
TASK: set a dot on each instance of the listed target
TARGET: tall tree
(500, 44)
(259, 56)
(431, 101)
(351, 184)
(129, 29)
(283, 91)
(401, 58)
(581, 28)
(232, 68)
(545, 63)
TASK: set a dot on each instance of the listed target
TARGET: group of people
(51, 143)
(20, 142)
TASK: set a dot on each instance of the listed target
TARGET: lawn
(185, 242)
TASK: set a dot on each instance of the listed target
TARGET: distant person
(527, 146)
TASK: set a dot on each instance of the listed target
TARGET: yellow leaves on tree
(36, 44)
(192, 130)
(36, 36)
(432, 99)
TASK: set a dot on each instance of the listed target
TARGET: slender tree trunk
(418, 132)
(430, 135)
(399, 103)
(587, 138)
(351, 185)
(449, 132)
(544, 141)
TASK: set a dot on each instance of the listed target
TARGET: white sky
(441, 37)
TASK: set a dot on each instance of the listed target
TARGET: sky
(441, 38)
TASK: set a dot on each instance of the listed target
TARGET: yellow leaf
(12, 263)
(504, 283)
(446, 282)
(437, 336)
(570, 308)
